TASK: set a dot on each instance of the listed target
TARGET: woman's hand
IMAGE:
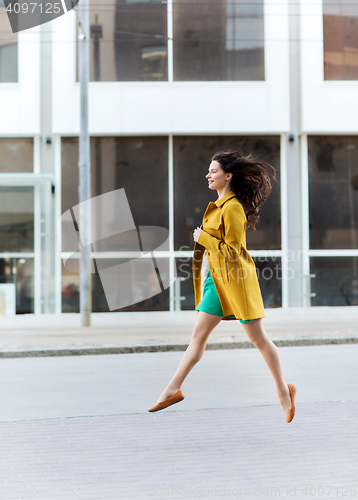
(197, 233)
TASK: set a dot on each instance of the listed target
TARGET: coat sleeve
(229, 248)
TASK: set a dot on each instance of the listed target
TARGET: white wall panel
(327, 106)
(20, 103)
(66, 104)
(178, 107)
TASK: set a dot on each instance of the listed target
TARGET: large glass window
(269, 273)
(218, 40)
(213, 40)
(71, 291)
(340, 26)
(140, 166)
(333, 191)
(128, 41)
(69, 173)
(192, 156)
(336, 281)
(17, 155)
(17, 219)
(19, 271)
(8, 49)
(137, 164)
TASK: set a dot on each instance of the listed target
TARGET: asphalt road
(69, 386)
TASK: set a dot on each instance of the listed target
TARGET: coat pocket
(213, 228)
(224, 270)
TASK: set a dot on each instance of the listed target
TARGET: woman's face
(217, 178)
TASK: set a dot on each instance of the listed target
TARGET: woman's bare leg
(258, 336)
(205, 324)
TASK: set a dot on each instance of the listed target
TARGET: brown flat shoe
(175, 398)
(290, 414)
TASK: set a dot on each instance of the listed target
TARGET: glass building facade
(141, 165)
(160, 56)
(211, 41)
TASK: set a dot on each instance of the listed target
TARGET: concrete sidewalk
(56, 335)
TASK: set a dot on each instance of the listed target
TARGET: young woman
(231, 290)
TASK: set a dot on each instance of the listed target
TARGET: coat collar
(222, 200)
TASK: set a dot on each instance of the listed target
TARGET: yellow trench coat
(231, 265)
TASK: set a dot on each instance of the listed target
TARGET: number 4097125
(31, 7)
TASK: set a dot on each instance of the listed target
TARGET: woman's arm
(229, 248)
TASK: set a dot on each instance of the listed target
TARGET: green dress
(210, 302)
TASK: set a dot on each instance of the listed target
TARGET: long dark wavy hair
(251, 180)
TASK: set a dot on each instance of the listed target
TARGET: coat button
(206, 220)
(208, 253)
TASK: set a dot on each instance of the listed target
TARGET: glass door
(26, 236)
(17, 244)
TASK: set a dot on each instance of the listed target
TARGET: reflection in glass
(333, 191)
(8, 49)
(137, 282)
(140, 166)
(184, 270)
(17, 219)
(21, 272)
(192, 156)
(336, 281)
(69, 173)
(17, 155)
(269, 273)
(137, 164)
(340, 33)
(218, 40)
(71, 293)
(128, 41)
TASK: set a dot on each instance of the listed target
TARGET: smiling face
(217, 178)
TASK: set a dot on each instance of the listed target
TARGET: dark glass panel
(192, 156)
(71, 287)
(218, 40)
(336, 281)
(128, 41)
(17, 219)
(137, 164)
(8, 49)
(17, 155)
(333, 191)
(269, 274)
(69, 173)
(184, 270)
(140, 166)
(20, 271)
(340, 34)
